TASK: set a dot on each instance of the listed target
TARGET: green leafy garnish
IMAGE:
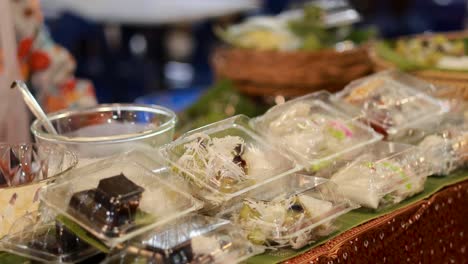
(8, 258)
(143, 218)
(321, 165)
(337, 133)
(385, 51)
(408, 186)
(396, 169)
(82, 233)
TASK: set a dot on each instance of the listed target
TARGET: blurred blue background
(168, 64)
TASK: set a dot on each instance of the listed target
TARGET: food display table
(430, 226)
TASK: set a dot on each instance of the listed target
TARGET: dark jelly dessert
(119, 195)
(67, 240)
(181, 254)
(112, 205)
(62, 241)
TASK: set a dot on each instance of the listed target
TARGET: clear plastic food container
(392, 103)
(191, 239)
(384, 174)
(24, 169)
(105, 130)
(225, 160)
(116, 200)
(290, 212)
(39, 239)
(312, 131)
(445, 146)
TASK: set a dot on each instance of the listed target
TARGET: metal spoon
(34, 105)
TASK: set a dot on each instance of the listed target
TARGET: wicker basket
(455, 83)
(261, 73)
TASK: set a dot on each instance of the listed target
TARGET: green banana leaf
(220, 101)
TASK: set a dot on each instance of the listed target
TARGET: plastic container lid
(384, 174)
(312, 131)
(135, 198)
(446, 146)
(290, 212)
(392, 102)
(225, 160)
(45, 241)
(190, 239)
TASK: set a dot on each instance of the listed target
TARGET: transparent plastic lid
(116, 200)
(225, 159)
(290, 212)
(385, 173)
(446, 146)
(45, 241)
(312, 131)
(392, 102)
(190, 239)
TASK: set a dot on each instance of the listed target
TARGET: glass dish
(45, 241)
(383, 174)
(224, 160)
(392, 103)
(311, 131)
(24, 169)
(289, 212)
(191, 239)
(117, 208)
(105, 130)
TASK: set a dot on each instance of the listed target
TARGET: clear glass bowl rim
(156, 109)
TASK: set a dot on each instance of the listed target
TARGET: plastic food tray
(384, 174)
(290, 212)
(160, 201)
(445, 146)
(392, 103)
(190, 239)
(263, 162)
(312, 131)
(37, 239)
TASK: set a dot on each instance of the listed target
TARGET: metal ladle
(33, 105)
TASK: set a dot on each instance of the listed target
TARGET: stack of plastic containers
(279, 180)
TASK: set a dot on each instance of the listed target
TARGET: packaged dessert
(45, 241)
(445, 146)
(191, 239)
(312, 131)
(392, 103)
(115, 200)
(290, 212)
(224, 160)
(384, 174)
